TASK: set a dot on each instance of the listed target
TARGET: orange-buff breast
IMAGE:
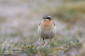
(47, 24)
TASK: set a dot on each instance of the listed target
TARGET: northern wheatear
(47, 28)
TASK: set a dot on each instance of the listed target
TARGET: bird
(47, 28)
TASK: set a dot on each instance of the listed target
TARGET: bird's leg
(46, 42)
(43, 41)
(40, 43)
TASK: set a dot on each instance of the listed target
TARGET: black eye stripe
(47, 17)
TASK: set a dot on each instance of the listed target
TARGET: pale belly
(47, 34)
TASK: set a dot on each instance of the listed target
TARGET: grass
(23, 39)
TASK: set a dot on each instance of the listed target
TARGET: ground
(19, 20)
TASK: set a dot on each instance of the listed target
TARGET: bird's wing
(54, 30)
(39, 30)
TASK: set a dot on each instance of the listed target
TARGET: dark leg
(43, 41)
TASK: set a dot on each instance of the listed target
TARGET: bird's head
(47, 18)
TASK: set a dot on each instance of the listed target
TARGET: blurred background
(18, 27)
